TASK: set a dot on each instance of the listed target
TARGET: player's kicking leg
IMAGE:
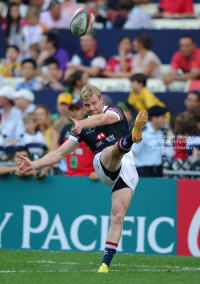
(121, 197)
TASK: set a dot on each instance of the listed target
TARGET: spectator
(89, 59)
(11, 124)
(141, 98)
(52, 80)
(32, 32)
(192, 102)
(34, 51)
(114, 20)
(58, 125)
(76, 82)
(24, 100)
(107, 100)
(171, 9)
(10, 66)
(148, 153)
(99, 20)
(187, 60)
(119, 63)
(145, 61)
(44, 123)
(13, 26)
(63, 101)
(54, 18)
(184, 128)
(69, 7)
(135, 17)
(22, 8)
(80, 162)
(28, 72)
(33, 139)
(42, 5)
(19, 151)
(128, 111)
(49, 46)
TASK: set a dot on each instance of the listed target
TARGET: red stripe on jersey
(117, 111)
(74, 135)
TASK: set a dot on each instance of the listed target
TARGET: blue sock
(110, 250)
(125, 143)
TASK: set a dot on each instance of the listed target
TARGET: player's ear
(101, 100)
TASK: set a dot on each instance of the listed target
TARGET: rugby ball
(82, 21)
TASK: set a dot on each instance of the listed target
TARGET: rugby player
(106, 133)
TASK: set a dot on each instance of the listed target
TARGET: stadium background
(179, 219)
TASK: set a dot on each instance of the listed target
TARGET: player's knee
(117, 219)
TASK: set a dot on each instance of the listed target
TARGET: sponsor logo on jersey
(101, 135)
(90, 130)
(99, 144)
(110, 138)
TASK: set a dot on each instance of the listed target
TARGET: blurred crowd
(34, 53)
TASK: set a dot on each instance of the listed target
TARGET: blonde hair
(29, 116)
(89, 91)
(32, 12)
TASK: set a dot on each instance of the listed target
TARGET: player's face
(191, 102)
(93, 106)
(187, 46)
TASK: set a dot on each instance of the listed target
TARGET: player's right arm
(25, 165)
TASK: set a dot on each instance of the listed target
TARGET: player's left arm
(93, 121)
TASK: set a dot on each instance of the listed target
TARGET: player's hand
(77, 126)
(25, 165)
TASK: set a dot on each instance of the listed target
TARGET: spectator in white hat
(24, 99)
(11, 123)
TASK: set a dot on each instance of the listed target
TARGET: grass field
(78, 267)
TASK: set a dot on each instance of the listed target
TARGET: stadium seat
(149, 8)
(165, 68)
(152, 8)
(113, 85)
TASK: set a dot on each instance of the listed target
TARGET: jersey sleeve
(116, 111)
(75, 137)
